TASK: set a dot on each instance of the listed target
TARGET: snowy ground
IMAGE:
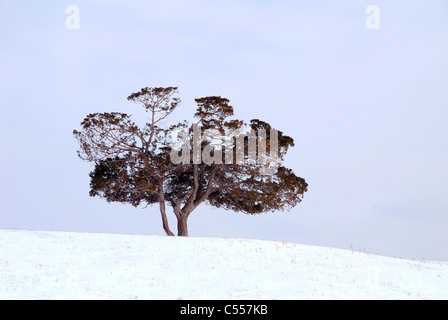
(66, 265)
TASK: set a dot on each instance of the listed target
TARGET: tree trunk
(182, 228)
(164, 219)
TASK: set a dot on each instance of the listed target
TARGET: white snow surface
(68, 265)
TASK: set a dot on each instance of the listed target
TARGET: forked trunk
(182, 228)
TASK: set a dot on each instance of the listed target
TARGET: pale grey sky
(368, 110)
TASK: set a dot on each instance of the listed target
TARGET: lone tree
(184, 165)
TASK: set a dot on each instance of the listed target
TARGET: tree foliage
(218, 160)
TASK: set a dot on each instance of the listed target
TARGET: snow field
(68, 265)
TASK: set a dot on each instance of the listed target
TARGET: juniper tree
(218, 160)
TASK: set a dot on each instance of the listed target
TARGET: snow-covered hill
(66, 265)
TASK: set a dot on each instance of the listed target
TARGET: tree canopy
(218, 160)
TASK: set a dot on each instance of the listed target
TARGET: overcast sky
(368, 109)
